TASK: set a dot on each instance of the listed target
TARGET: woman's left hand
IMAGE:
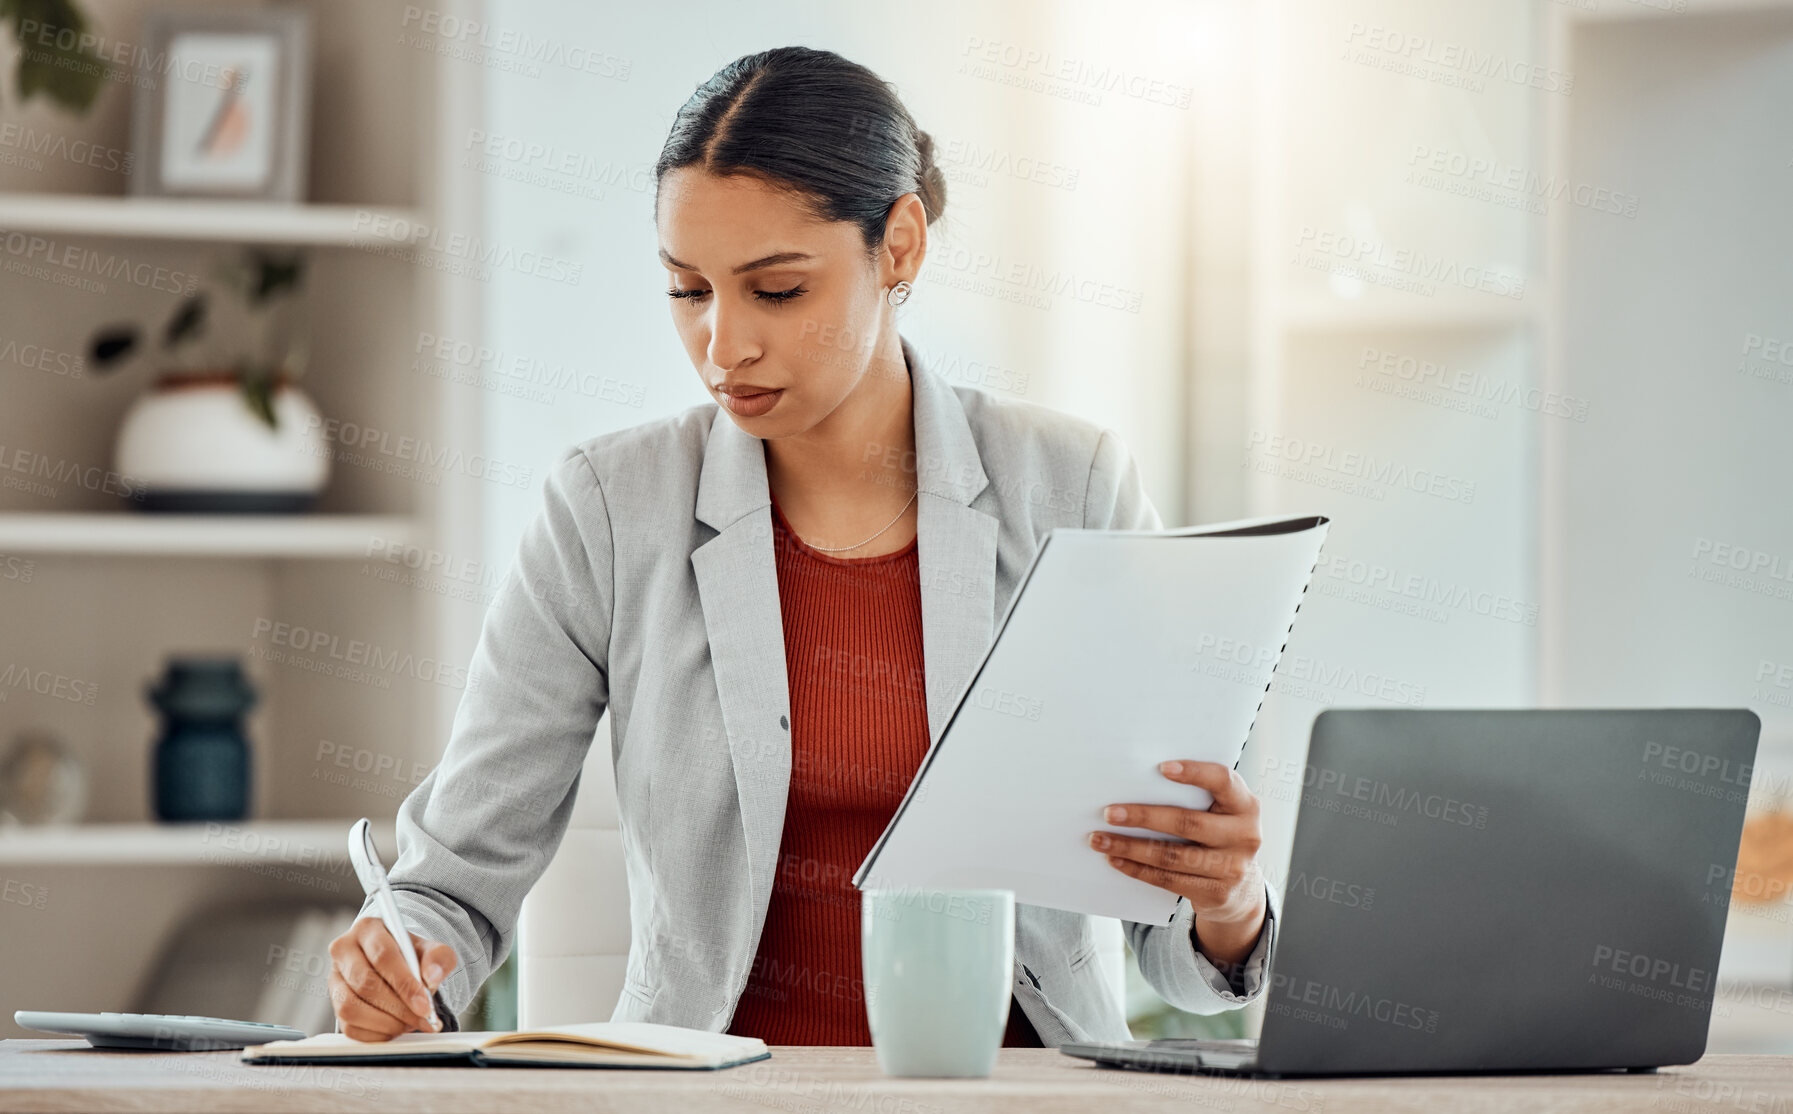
(1218, 872)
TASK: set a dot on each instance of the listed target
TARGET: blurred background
(1504, 287)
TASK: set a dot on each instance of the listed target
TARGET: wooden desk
(59, 1075)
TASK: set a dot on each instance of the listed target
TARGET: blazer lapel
(956, 543)
(737, 581)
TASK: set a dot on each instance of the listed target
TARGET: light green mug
(937, 965)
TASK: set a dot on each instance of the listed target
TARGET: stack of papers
(1121, 649)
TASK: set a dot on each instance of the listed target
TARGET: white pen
(373, 880)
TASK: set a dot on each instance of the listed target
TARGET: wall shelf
(1319, 315)
(1669, 9)
(117, 590)
(294, 843)
(136, 534)
(196, 220)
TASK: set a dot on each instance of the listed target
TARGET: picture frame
(221, 105)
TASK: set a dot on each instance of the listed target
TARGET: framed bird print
(220, 105)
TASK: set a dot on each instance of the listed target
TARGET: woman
(776, 596)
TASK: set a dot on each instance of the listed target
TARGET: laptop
(1494, 891)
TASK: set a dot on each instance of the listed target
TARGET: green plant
(264, 283)
(56, 55)
(494, 1006)
(1150, 1017)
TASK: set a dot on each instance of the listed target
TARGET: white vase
(192, 444)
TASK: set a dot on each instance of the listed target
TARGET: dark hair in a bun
(830, 130)
(933, 179)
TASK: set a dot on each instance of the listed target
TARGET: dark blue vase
(202, 756)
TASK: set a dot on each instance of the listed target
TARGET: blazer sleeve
(1116, 500)
(478, 831)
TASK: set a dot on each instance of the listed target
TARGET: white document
(1121, 649)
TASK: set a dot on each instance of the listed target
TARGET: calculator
(165, 1031)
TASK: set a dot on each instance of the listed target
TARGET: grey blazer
(646, 584)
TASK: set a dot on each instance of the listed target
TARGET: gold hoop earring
(899, 293)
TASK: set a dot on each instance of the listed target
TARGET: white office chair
(573, 933)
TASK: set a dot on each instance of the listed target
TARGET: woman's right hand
(375, 995)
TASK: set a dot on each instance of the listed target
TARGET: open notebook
(595, 1044)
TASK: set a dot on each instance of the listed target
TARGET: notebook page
(641, 1036)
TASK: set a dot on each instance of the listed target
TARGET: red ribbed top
(859, 730)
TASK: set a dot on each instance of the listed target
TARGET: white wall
(1670, 564)
(1687, 447)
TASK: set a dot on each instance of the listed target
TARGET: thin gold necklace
(887, 525)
